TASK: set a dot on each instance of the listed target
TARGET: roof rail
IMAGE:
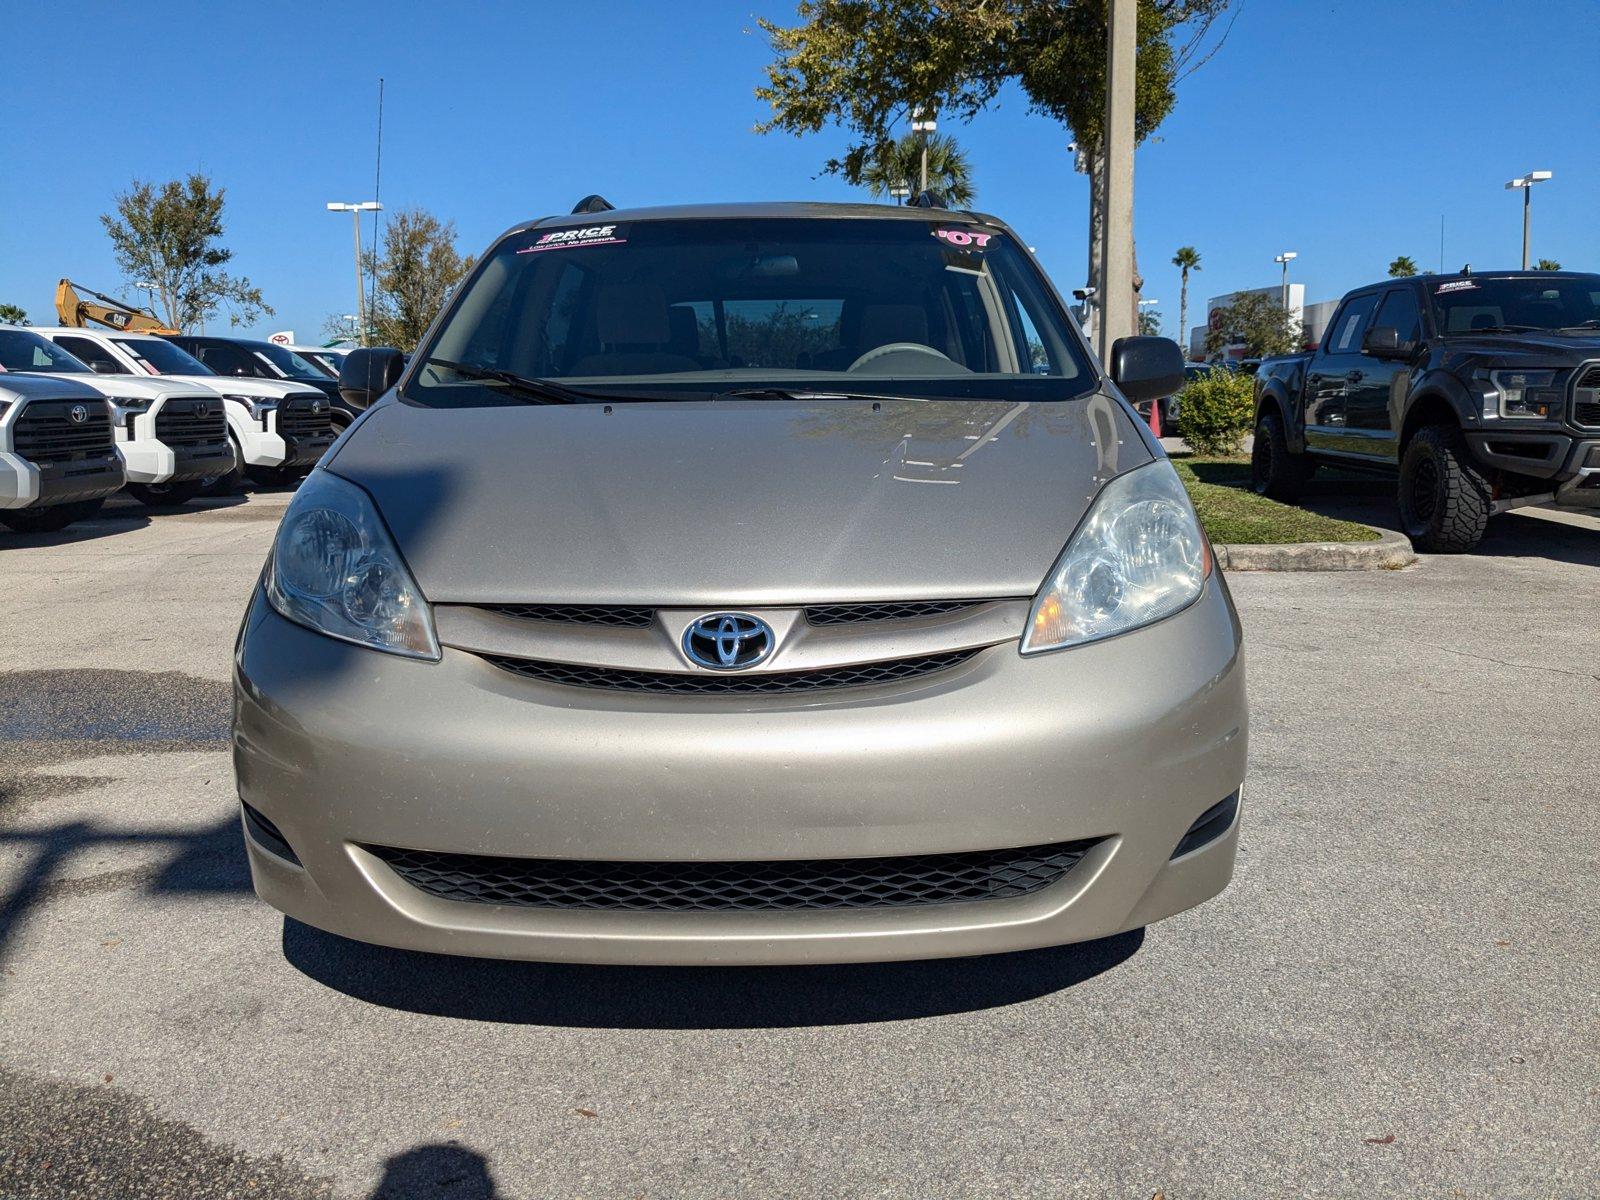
(593, 204)
(927, 199)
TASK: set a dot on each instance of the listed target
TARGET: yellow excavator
(72, 309)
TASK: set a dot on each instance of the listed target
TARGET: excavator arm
(72, 309)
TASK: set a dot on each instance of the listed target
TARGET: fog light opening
(267, 835)
(1213, 823)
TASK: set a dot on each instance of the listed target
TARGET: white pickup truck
(279, 430)
(58, 461)
(172, 436)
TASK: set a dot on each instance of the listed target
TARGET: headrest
(685, 329)
(885, 323)
(1484, 321)
(631, 314)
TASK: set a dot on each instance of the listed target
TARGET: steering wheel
(878, 352)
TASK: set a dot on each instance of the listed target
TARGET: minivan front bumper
(1121, 746)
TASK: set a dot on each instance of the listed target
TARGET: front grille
(778, 682)
(850, 614)
(191, 423)
(297, 420)
(786, 886)
(46, 432)
(577, 614)
(1586, 396)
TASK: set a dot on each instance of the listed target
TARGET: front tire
(50, 519)
(165, 495)
(1275, 471)
(1445, 500)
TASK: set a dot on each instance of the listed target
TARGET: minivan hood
(744, 502)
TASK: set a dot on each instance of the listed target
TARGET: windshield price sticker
(964, 237)
(588, 235)
(1456, 285)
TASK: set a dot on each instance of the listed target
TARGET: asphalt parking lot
(1398, 995)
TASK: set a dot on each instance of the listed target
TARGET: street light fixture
(1526, 182)
(355, 210)
(900, 191)
(1285, 259)
(923, 124)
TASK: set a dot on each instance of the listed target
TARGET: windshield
(1532, 301)
(160, 357)
(326, 361)
(883, 306)
(24, 351)
(288, 362)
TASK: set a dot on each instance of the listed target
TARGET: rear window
(892, 306)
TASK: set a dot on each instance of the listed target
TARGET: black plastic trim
(267, 835)
(1213, 823)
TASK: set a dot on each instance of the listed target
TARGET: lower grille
(619, 679)
(46, 432)
(786, 886)
(188, 424)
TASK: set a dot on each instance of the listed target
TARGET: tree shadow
(623, 997)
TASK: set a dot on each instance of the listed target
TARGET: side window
(1400, 311)
(1352, 323)
(225, 360)
(92, 352)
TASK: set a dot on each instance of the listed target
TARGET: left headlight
(1138, 556)
(258, 407)
(336, 569)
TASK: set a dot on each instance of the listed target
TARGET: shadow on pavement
(108, 524)
(619, 997)
(1561, 536)
(436, 1170)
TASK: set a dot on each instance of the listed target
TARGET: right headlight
(1527, 394)
(1138, 556)
(336, 569)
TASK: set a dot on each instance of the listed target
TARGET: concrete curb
(1390, 552)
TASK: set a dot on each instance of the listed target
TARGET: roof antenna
(1466, 268)
(595, 203)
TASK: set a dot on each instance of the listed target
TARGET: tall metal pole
(361, 286)
(1527, 209)
(1285, 284)
(1116, 246)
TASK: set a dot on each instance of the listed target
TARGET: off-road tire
(50, 519)
(1275, 471)
(1445, 500)
(165, 495)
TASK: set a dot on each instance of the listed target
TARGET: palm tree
(899, 164)
(1547, 264)
(1186, 259)
(1402, 267)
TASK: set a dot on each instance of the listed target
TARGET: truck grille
(1586, 396)
(786, 886)
(297, 419)
(46, 432)
(710, 684)
(191, 423)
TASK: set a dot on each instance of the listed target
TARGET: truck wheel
(1275, 471)
(166, 495)
(1444, 498)
(51, 518)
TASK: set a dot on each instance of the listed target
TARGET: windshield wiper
(1502, 329)
(778, 393)
(539, 391)
(1592, 323)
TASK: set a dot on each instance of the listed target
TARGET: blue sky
(1343, 131)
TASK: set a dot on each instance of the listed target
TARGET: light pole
(1144, 304)
(1526, 182)
(924, 125)
(1285, 259)
(355, 210)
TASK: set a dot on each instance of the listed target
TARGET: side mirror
(101, 367)
(368, 373)
(1383, 341)
(1146, 368)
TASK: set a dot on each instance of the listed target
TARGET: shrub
(1216, 410)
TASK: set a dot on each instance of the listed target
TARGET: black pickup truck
(1479, 391)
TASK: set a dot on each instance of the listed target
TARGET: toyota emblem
(728, 641)
(316, 406)
(79, 414)
(202, 409)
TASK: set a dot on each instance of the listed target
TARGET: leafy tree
(415, 274)
(1259, 322)
(1186, 259)
(900, 163)
(13, 314)
(1149, 322)
(170, 235)
(1402, 267)
(863, 65)
(1547, 264)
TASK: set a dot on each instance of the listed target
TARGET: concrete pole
(1527, 209)
(361, 286)
(1115, 293)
